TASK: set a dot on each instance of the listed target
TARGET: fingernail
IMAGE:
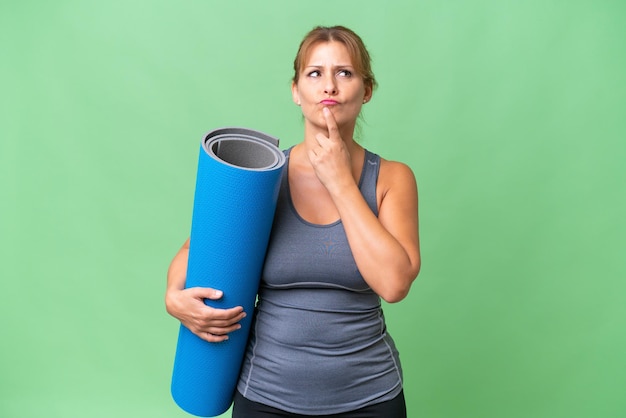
(218, 293)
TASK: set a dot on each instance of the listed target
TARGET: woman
(345, 234)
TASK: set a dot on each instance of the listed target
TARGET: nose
(330, 85)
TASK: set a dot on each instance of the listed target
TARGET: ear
(295, 94)
(368, 94)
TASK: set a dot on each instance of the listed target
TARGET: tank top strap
(369, 179)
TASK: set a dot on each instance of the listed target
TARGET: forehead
(332, 52)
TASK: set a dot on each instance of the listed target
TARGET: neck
(346, 133)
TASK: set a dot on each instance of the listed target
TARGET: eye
(344, 73)
(314, 73)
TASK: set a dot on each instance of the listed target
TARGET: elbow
(394, 297)
(396, 293)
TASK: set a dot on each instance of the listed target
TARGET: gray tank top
(318, 343)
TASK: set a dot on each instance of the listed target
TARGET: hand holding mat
(235, 198)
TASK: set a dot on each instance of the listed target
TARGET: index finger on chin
(331, 124)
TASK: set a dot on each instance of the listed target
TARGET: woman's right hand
(210, 324)
(187, 304)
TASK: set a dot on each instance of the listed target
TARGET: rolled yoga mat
(235, 198)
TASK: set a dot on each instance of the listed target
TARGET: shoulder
(391, 169)
(394, 172)
(395, 179)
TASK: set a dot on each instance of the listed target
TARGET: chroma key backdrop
(510, 113)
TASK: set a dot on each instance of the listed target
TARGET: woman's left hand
(331, 158)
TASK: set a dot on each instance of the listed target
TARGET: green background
(509, 112)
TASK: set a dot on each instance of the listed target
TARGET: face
(328, 79)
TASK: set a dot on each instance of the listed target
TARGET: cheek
(311, 111)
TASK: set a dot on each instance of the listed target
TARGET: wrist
(171, 299)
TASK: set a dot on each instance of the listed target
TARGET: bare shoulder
(395, 175)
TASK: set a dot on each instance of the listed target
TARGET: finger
(231, 315)
(222, 330)
(206, 293)
(212, 338)
(218, 318)
(312, 157)
(320, 138)
(215, 327)
(331, 124)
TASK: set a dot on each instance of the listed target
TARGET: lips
(329, 102)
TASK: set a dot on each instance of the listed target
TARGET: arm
(385, 248)
(187, 305)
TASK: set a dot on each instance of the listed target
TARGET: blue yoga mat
(235, 198)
